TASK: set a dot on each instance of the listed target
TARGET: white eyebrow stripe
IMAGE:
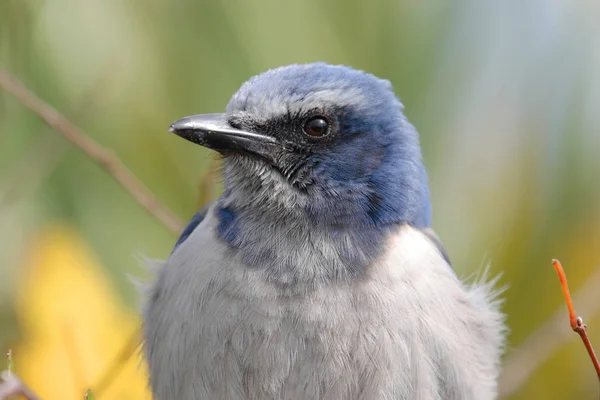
(271, 105)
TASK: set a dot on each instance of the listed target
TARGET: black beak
(213, 131)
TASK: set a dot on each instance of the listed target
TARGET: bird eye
(316, 127)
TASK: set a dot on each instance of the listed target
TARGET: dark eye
(316, 127)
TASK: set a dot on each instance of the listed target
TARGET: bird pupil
(317, 126)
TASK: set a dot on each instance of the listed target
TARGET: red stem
(576, 322)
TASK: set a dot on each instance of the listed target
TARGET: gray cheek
(250, 182)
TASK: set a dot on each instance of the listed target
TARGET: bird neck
(294, 250)
(323, 233)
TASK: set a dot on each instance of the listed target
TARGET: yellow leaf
(74, 324)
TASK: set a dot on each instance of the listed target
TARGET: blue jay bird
(316, 274)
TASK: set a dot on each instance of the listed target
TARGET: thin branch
(47, 152)
(576, 322)
(9, 361)
(548, 338)
(94, 150)
(117, 363)
(73, 356)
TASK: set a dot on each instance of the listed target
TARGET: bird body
(316, 275)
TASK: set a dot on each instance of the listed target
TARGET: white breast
(408, 329)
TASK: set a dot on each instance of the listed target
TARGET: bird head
(330, 142)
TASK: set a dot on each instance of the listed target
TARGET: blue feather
(193, 224)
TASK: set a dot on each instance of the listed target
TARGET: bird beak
(213, 131)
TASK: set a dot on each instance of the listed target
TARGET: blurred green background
(505, 95)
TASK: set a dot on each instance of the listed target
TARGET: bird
(316, 274)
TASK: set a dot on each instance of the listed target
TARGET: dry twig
(46, 154)
(544, 341)
(9, 361)
(94, 150)
(576, 322)
(73, 356)
(117, 364)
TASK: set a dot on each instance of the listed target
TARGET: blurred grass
(504, 94)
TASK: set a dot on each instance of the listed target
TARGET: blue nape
(196, 220)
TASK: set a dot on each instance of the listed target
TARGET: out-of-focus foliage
(74, 326)
(505, 95)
